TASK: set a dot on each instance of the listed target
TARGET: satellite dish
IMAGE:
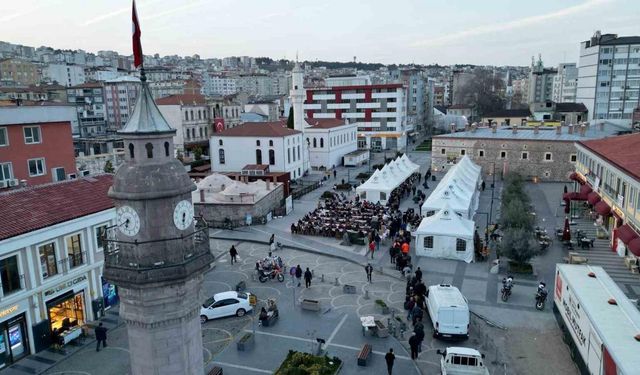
(445, 212)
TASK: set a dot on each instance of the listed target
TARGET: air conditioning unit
(72, 176)
(14, 182)
(3, 184)
(84, 173)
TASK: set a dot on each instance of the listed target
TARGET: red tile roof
(41, 206)
(324, 123)
(621, 151)
(357, 87)
(183, 99)
(259, 129)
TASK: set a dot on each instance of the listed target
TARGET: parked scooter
(270, 274)
(507, 284)
(541, 295)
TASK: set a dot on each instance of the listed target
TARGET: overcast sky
(495, 32)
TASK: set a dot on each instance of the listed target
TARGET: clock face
(128, 221)
(183, 215)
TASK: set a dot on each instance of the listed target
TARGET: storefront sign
(253, 300)
(8, 311)
(65, 285)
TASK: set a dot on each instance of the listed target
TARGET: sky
(489, 32)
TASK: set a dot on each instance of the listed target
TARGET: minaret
(297, 95)
(156, 257)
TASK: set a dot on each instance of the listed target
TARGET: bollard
(366, 294)
(337, 283)
(381, 269)
(322, 278)
(253, 276)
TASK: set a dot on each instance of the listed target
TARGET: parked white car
(462, 361)
(225, 304)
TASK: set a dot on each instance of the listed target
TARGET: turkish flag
(137, 46)
(219, 124)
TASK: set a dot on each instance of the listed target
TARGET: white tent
(445, 235)
(376, 188)
(448, 198)
(413, 167)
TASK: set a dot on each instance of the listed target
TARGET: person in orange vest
(405, 248)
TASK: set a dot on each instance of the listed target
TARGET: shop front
(67, 309)
(110, 294)
(14, 339)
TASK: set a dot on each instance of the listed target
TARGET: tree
(108, 167)
(483, 92)
(514, 215)
(197, 153)
(519, 245)
(290, 119)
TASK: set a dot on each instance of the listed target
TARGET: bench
(311, 304)
(348, 289)
(271, 320)
(363, 355)
(215, 371)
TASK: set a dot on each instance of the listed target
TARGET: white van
(449, 311)
(462, 361)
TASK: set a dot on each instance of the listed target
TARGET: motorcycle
(275, 273)
(541, 296)
(507, 284)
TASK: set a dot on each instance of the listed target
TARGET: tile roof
(182, 99)
(571, 107)
(41, 206)
(621, 151)
(259, 129)
(324, 123)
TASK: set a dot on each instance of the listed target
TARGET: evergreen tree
(108, 167)
(290, 119)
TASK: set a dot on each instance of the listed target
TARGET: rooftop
(358, 87)
(259, 129)
(324, 123)
(510, 113)
(37, 114)
(621, 151)
(571, 107)
(41, 206)
(182, 99)
(621, 40)
(544, 134)
(459, 106)
(87, 85)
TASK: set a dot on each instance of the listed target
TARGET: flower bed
(300, 363)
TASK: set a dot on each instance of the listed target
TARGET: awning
(569, 196)
(576, 177)
(626, 234)
(634, 246)
(593, 198)
(585, 190)
(603, 208)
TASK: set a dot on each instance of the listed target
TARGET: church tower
(157, 255)
(297, 96)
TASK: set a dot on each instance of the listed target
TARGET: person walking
(390, 358)
(368, 269)
(482, 186)
(372, 248)
(411, 303)
(416, 314)
(377, 239)
(307, 278)
(418, 329)
(299, 273)
(101, 336)
(234, 253)
(413, 343)
(405, 248)
(272, 239)
(334, 174)
(419, 274)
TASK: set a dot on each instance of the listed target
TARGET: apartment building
(190, 116)
(565, 83)
(17, 71)
(64, 74)
(89, 101)
(120, 96)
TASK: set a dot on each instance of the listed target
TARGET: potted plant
(305, 363)
(383, 306)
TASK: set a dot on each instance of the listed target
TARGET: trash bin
(433, 178)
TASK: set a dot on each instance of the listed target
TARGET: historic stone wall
(239, 211)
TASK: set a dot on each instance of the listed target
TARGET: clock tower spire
(157, 255)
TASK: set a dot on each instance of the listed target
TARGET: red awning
(585, 189)
(593, 198)
(576, 177)
(626, 234)
(568, 196)
(603, 208)
(574, 196)
(634, 246)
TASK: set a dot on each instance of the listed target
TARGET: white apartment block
(565, 83)
(218, 85)
(261, 143)
(120, 98)
(190, 116)
(609, 77)
(329, 140)
(379, 112)
(64, 74)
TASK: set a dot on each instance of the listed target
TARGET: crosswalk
(602, 255)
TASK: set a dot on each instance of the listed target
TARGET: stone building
(539, 154)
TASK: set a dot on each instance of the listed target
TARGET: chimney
(474, 126)
(452, 127)
(514, 129)
(202, 195)
(583, 128)
(601, 125)
(559, 129)
(570, 128)
(536, 129)
(268, 184)
(494, 127)
(467, 127)
(562, 123)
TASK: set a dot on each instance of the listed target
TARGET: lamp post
(493, 188)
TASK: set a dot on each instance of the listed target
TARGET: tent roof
(446, 222)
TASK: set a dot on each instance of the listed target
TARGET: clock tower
(157, 255)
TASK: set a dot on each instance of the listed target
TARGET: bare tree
(484, 92)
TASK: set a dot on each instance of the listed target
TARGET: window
(258, 156)
(428, 242)
(10, 275)
(321, 142)
(36, 167)
(272, 157)
(101, 237)
(5, 171)
(149, 148)
(131, 150)
(31, 134)
(257, 143)
(4, 137)
(74, 251)
(298, 152)
(58, 174)
(220, 142)
(289, 155)
(463, 152)
(48, 264)
(271, 143)
(525, 155)
(221, 156)
(548, 156)
(315, 142)
(481, 153)
(166, 149)
(461, 245)
(503, 154)
(383, 196)
(573, 158)
(200, 129)
(443, 151)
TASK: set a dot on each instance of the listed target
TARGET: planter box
(348, 289)
(246, 342)
(382, 330)
(384, 309)
(293, 361)
(310, 304)
(526, 269)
